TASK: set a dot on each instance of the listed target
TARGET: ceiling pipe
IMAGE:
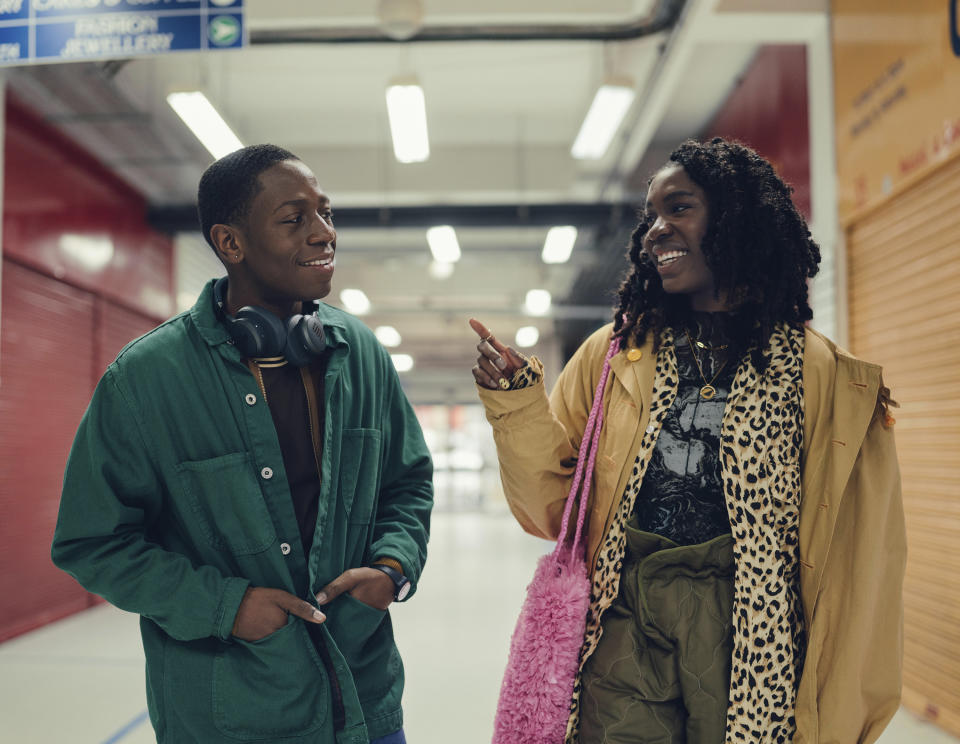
(183, 218)
(638, 130)
(662, 17)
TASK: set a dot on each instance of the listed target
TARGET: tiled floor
(81, 680)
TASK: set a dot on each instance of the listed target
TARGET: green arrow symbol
(223, 30)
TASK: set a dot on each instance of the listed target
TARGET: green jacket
(175, 500)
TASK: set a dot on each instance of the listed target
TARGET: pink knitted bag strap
(588, 456)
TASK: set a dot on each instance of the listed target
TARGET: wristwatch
(401, 584)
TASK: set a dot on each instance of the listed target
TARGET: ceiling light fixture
(602, 121)
(402, 362)
(400, 19)
(407, 111)
(388, 336)
(443, 244)
(527, 336)
(355, 301)
(559, 244)
(537, 302)
(440, 270)
(92, 252)
(205, 122)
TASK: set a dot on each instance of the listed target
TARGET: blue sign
(74, 30)
(954, 27)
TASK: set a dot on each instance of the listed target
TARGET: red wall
(768, 111)
(62, 320)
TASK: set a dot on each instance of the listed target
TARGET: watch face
(403, 591)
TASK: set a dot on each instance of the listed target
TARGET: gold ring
(487, 339)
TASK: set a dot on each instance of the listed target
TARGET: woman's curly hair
(757, 245)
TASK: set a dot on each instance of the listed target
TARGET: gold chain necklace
(701, 345)
(708, 390)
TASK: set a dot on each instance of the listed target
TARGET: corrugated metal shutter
(57, 342)
(904, 282)
(116, 326)
(46, 366)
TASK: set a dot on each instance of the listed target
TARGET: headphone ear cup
(258, 333)
(306, 339)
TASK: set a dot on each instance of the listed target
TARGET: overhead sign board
(74, 30)
(896, 78)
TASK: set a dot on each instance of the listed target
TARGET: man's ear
(228, 243)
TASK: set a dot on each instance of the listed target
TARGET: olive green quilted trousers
(661, 672)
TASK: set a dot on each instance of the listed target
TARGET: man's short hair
(229, 185)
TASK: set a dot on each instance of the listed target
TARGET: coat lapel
(636, 373)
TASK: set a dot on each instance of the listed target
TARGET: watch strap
(400, 582)
(394, 564)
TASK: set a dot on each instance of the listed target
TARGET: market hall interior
(509, 196)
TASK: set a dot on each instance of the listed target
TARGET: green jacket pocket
(271, 688)
(364, 637)
(225, 505)
(359, 473)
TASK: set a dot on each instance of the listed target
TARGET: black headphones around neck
(258, 333)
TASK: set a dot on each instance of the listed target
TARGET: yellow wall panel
(904, 297)
(897, 73)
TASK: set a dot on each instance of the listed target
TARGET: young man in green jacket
(251, 480)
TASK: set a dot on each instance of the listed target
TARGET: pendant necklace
(708, 347)
(708, 390)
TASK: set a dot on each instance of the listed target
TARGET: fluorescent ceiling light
(205, 123)
(403, 362)
(388, 335)
(443, 244)
(602, 121)
(559, 244)
(527, 336)
(407, 111)
(538, 302)
(440, 270)
(92, 252)
(355, 301)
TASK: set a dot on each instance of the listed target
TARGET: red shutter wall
(114, 328)
(768, 110)
(60, 326)
(46, 362)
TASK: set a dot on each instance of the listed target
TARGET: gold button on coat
(634, 355)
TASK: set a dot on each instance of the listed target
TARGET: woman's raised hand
(497, 363)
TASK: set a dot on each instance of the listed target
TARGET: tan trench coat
(852, 534)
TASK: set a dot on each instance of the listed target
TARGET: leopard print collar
(761, 441)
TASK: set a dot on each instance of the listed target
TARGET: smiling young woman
(676, 210)
(745, 523)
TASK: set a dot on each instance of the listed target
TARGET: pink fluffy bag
(537, 687)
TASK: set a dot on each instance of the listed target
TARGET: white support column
(828, 296)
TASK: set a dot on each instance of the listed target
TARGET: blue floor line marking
(127, 728)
